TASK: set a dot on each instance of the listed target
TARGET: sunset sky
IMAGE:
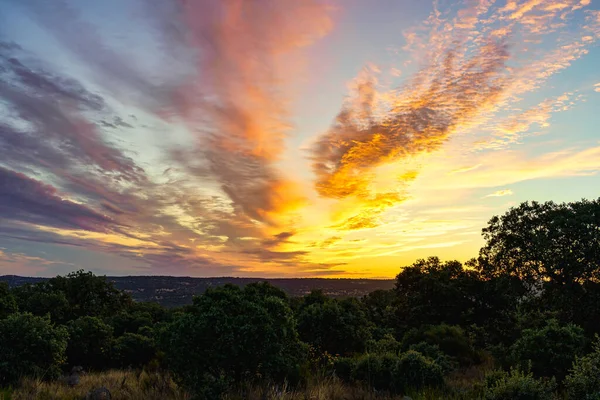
(276, 138)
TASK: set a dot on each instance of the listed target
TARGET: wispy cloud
(163, 144)
(500, 193)
(474, 74)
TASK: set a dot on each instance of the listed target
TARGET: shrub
(90, 342)
(233, 335)
(583, 382)
(30, 346)
(386, 345)
(451, 340)
(397, 374)
(415, 371)
(377, 371)
(339, 327)
(8, 304)
(344, 367)
(551, 349)
(517, 385)
(433, 352)
(133, 350)
(125, 322)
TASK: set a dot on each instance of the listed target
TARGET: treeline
(520, 321)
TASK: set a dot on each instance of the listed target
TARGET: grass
(144, 385)
(123, 385)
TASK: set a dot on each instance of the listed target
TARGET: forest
(519, 321)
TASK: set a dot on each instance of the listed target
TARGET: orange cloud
(238, 101)
(469, 75)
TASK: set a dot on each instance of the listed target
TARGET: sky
(285, 138)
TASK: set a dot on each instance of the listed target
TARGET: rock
(73, 378)
(101, 393)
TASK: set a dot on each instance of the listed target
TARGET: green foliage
(433, 352)
(393, 373)
(534, 241)
(233, 335)
(517, 385)
(386, 345)
(8, 303)
(133, 350)
(551, 350)
(41, 300)
(415, 371)
(378, 371)
(380, 307)
(344, 368)
(90, 341)
(30, 346)
(89, 295)
(451, 340)
(79, 294)
(339, 327)
(130, 322)
(583, 382)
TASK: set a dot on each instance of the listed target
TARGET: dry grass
(123, 385)
(132, 385)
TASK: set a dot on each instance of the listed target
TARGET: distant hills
(172, 291)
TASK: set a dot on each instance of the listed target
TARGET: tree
(133, 350)
(233, 335)
(517, 385)
(545, 241)
(551, 350)
(90, 341)
(129, 322)
(380, 306)
(30, 346)
(339, 327)
(89, 295)
(41, 300)
(583, 382)
(8, 304)
(432, 292)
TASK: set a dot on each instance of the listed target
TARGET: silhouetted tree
(545, 241)
(232, 335)
(30, 346)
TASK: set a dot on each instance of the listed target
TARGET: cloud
(597, 87)
(500, 193)
(239, 99)
(472, 77)
(26, 200)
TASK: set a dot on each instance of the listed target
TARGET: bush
(8, 304)
(386, 345)
(433, 352)
(551, 349)
(339, 327)
(415, 371)
(125, 322)
(377, 371)
(90, 342)
(451, 340)
(517, 385)
(397, 374)
(233, 335)
(583, 382)
(30, 346)
(344, 367)
(133, 350)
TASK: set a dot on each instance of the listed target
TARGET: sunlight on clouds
(500, 193)
(175, 161)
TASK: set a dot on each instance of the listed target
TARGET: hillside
(171, 291)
